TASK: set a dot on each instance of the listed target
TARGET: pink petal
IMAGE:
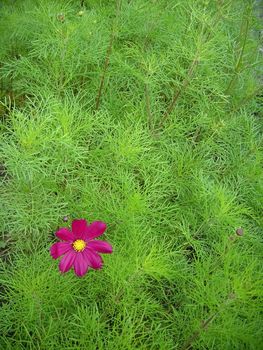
(59, 248)
(81, 264)
(64, 234)
(67, 261)
(100, 246)
(96, 229)
(94, 260)
(79, 228)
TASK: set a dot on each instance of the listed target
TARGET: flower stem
(148, 106)
(178, 93)
(108, 53)
(243, 28)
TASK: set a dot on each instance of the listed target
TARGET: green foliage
(146, 115)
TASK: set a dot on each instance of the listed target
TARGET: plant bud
(240, 231)
(61, 17)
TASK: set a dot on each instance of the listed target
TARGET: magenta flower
(79, 248)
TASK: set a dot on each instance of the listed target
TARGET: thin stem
(106, 64)
(178, 93)
(197, 333)
(108, 53)
(148, 107)
(240, 57)
(205, 37)
(188, 344)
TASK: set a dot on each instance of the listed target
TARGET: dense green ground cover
(144, 114)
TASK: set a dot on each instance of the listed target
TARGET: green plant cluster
(145, 114)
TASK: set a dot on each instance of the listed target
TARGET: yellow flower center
(79, 245)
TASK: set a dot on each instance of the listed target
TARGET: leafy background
(146, 115)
